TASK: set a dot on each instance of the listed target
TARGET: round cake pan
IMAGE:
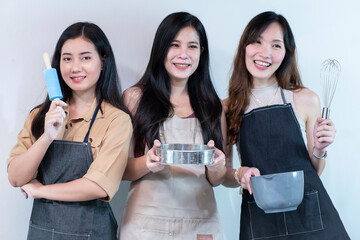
(185, 154)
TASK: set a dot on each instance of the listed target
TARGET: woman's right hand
(152, 160)
(54, 119)
(244, 176)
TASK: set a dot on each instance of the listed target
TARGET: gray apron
(63, 162)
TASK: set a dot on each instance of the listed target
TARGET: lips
(181, 66)
(262, 65)
(78, 78)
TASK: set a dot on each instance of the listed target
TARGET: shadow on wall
(119, 201)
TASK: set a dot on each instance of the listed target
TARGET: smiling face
(183, 56)
(80, 65)
(265, 55)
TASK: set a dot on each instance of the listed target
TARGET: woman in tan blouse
(72, 153)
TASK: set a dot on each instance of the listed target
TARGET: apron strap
(92, 121)
(283, 96)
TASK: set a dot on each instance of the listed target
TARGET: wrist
(319, 154)
(237, 178)
(45, 139)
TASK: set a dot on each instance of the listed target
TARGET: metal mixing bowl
(280, 192)
(185, 154)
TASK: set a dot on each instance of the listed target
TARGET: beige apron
(177, 202)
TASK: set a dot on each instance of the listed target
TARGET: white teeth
(262, 63)
(181, 65)
(77, 78)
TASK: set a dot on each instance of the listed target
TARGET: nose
(75, 66)
(265, 51)
(183, 52)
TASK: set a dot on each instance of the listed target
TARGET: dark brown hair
(287, 74)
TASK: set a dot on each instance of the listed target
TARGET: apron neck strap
(92, 121)
(283, 96)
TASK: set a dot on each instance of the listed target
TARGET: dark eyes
(274, 45)
(68, 59)
(178, 45)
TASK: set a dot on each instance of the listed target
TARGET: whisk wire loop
(329, 75)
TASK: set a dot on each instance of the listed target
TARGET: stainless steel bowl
(185, 154)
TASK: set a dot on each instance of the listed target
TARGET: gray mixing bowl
(280, 192)
(185, 154)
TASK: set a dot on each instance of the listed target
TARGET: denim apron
(270, 139)
(66, 161)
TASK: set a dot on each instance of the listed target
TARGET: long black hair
(107, 87)
(155, 106)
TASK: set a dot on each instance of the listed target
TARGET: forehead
(274, 31)
(187, 34)
(78, 45)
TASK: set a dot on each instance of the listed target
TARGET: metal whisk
(329, 75)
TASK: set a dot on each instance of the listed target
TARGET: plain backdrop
(323, 29)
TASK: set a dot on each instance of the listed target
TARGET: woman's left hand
(324, 133)
(31, 189)
(219, 159)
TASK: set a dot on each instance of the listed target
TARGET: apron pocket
(265, 225)
(307, 217)
(42, 233)
(154, 227)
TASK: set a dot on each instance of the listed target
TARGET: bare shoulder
(132, 98)
(305, 96)
(307, 102)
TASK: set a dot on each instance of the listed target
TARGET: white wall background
(323, 29)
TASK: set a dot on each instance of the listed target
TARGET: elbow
(14, 183)
(17, 181)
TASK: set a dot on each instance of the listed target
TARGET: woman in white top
(276, 124)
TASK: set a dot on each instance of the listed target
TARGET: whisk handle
(325, 113)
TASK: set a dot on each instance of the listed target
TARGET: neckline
(192, 115)
(265, 89)
(264, 96)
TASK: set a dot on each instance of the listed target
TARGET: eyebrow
(192, 42)
(82, 53)
(275, 40)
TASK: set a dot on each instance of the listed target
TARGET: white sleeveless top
(272, 95)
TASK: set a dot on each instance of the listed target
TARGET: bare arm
(136, 167)
(243, 173)
(78, 190)
(319, 132)
(229, 180)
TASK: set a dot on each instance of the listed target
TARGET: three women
(175, 101)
